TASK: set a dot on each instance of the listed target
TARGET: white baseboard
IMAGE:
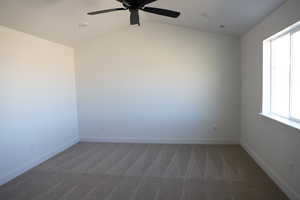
(158, 140)
(33, 163)
(286, 188)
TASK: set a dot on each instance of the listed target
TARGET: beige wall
(159, 83)
(275, 146)
(38, 115)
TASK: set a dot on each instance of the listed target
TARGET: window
(281, 75)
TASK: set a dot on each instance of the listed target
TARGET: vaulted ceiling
(59, 20)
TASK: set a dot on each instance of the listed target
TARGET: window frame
(266, 109)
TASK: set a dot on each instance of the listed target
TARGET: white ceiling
(57, 20)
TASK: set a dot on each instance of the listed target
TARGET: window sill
(282, 120)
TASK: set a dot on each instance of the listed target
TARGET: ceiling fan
(134, 6)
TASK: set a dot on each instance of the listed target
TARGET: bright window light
(281, 75)
(295, 76)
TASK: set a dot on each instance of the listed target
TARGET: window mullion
(290, 77)
(271, 74)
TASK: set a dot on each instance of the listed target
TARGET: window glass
(280, 73)
(295, 76)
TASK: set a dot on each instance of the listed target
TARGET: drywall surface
(276, 146)
(159, 83)
(38, 113)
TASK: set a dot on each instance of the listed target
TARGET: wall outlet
(214, 128)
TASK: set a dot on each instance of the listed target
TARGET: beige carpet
(95, 171)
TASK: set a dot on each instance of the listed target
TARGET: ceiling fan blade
(163, 12)
(145, 2)
(106, 11)
(134, 17)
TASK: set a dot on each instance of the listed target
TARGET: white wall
(159, 83)
(274, 145)
(38, 116)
